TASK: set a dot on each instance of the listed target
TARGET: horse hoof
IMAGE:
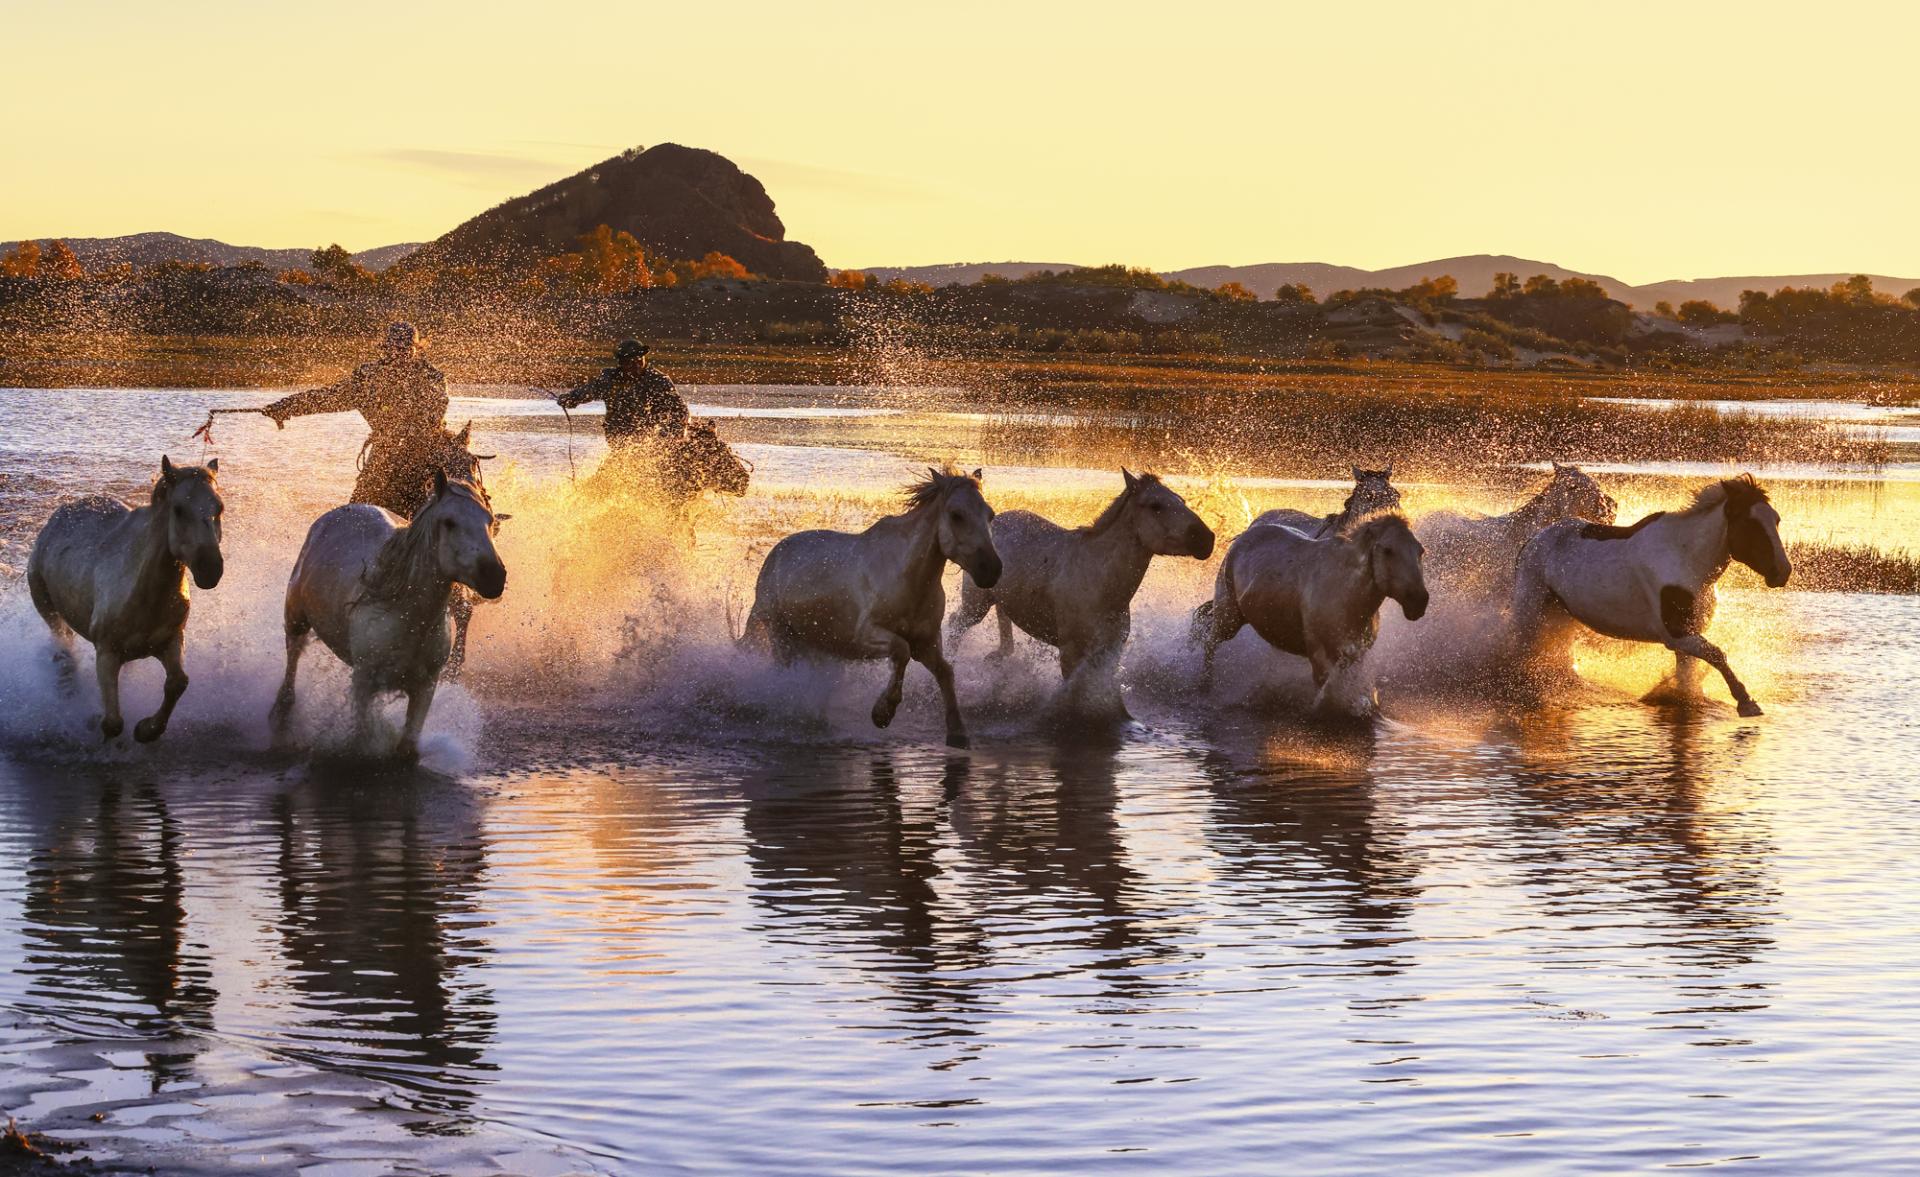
(1750, 709)
(882, 714)
(147, 731)
(111, 728)
(958, 740)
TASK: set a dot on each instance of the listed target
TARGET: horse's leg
(363, 694)
(106, 669)
(419, 701)
(1005, 648)
(1699, 647)
(898, 652)
(460, 605)
(975, 604)
(929, 656)
(154, 726)
(297, 639)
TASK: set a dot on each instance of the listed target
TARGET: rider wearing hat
(641, 403)
(404, 401)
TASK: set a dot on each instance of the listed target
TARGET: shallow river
(648, 906)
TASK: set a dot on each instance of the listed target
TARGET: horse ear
(213, 466)
(1387, 474)
(439, 482)
(979, 473)
(460, 438)
(1356, 473)
(502, 517)
(166, 469)
(1127, 475)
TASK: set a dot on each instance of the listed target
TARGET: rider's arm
(664, 401)
(338, 397)
(592, 390)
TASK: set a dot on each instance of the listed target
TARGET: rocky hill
(682, 202)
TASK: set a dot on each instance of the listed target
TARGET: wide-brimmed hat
(403, 335)
(629, 349)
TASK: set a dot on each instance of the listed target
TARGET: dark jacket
(638, 407)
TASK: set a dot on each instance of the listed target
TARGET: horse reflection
(1297, 818)
(105, 914)
(376, 880)
(843, 849)
(1043, 839)
(1644, 841)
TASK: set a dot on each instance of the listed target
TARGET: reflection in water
(379, 922)
(1048, 866)
(1296, 812)
(105, 913)
(846, 858)
(1640, 820)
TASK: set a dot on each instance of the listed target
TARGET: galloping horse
(1476, 553)
(1318, 598)
(117, 577)
(878, 594)
(1651, 582)
(1071, 588)
(674, 471)
(375, 588)
(1373, 491)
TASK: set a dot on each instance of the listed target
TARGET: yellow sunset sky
(1645, 141)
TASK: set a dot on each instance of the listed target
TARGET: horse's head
(454, 458)
(461, 527)
(1394, 560)
(963, 522)
(1572, 493)
(189, 499)
(1373, 490)
(710, 462)
(1753, 530)
(1162, 521)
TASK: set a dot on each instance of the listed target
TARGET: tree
(1540, 284)
(1701, 313)
(1912, 297)
(1234, 292)
(1663, 308)
(849, 280)
(1857, 289)
(334, 264)
(1505, 285)
(1295, 294)
(1582, 288)
(23, 262)
(60, 262)
(717, 265)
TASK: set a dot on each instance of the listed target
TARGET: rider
(404, 401)
(642, 406)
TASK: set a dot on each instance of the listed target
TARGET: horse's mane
(1732, 494)
(1366, 529)
(393, 567)
(1118, 506)
(922, 491)
(164, 483)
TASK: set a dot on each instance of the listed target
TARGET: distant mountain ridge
(146, 249)
(1474, 273)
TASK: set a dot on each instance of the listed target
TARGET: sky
(1643, 141)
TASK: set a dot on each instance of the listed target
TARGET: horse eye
(1154, 506)
(446, 525)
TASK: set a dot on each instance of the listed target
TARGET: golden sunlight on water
(643, 882)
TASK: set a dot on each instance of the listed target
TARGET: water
(658, 909)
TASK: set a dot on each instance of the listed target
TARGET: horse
(117, 576)
(375, 588)
(1373, 491)
(450, 454)
(1071, 588)
(1477, 552)
(878, 594)
(1318, 598)
(675, 471)
(1652, 581)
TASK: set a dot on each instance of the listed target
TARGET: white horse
(375, 588)
(1373, 491)
(878, 594)
(1651, 582)
(1318, 598)
(1072, 588)
(117, 576)
(1476, 553)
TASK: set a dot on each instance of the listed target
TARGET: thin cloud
(780, 173)
(481, 168)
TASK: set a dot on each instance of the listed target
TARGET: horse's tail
(1201, 622)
